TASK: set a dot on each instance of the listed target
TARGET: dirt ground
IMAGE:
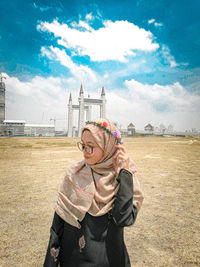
(167, 230)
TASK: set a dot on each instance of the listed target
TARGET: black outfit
(100, 240)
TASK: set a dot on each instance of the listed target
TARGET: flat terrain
(167, 230)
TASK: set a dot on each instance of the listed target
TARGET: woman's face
(96, 152)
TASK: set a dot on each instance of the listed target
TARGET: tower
(85, 105)
(89, 111)
(81, 111)
(103, 105)
(2, 99)
(70, 116)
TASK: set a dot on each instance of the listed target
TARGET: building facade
(85, 105)
(131, 129)
(12, 128)
(39, 130)
(149, 128)
(20, 128)
(2, 99)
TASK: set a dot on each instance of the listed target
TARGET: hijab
(92, 188)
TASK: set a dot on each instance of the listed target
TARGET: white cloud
(82, 73)
(89, 17)
(165, 103)
(144, 103)
(82, 25)
(172, 97)
(169, 59)
(156, 24)
(151, 21)
(40, 99)
(42, 9)
(115, 41)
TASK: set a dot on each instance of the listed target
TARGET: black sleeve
(56, 231)
(124, 212)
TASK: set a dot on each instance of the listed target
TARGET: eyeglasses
(88, 149)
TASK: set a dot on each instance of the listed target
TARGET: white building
(20, 128)
(149, 128)
(170, 128)
(162, 128)
(12, 127)
(39, 130)
(85, 105)
(131, 129)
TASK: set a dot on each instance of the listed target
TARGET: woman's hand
(121, 159)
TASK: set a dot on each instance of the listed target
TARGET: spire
(81, 90)
(70, 97)
(2, 84)
(1, 78)
(102, 91)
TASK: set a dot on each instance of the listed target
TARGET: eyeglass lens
(88, 149)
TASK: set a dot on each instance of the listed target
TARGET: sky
(145, 53)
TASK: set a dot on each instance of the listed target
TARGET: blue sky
(144, 52)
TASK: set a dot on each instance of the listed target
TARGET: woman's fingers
(119, 146)
(120, 154)
(121, 160)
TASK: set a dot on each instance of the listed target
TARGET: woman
(99, 197)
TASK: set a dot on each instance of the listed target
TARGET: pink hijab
(92, 188)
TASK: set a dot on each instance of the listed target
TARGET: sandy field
(167, 230)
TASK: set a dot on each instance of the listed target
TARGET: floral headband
(104, 126)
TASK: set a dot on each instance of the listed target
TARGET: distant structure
(162, 128)
(148, 128)
(170, 128)
(19, 127)
(131, 129)
(39, 130)
(85, 104)
(2, 98)
(12, 128)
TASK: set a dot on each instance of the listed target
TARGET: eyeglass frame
(84, 148)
